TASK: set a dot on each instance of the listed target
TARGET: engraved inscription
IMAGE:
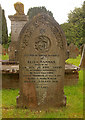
(42, 72)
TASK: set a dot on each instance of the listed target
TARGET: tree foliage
(4, 29)
(9, 39)
(75, 27)
(36, 10)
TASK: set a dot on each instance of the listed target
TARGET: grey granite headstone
(42, 47)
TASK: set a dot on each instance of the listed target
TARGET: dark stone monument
(42, 47)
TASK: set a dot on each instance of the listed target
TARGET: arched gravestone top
(42, 47)
(41, 19)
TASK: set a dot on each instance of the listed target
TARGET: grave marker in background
(82, 62)
(18, 20)
(42, 47)
(73, 51)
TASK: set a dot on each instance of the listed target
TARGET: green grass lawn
(73, 109)
(74, 61)
(4, 57)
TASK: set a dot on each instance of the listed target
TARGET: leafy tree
(36, 10)
(75, 28)
(4, 29)
(75, 16)
(83, 16)
(9, 39)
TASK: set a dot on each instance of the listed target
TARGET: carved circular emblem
(42, 43)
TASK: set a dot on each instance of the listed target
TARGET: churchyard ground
(73, 109)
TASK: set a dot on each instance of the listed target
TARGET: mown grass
(4, 57)
(73, 109)
(74, 61)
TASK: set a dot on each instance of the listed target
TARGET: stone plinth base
(17, 23)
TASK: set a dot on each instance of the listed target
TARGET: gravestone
(73, 51)
(82, 62)
(81, 49)
(18, 20)
(42, 47)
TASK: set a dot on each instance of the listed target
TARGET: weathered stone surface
(73, 51)
(19, 7)
(10, 75)
(81, 49)
(71, 75)
(17, 23)
(13, 51)
(10, 81)
(82, 62)
(42, 47)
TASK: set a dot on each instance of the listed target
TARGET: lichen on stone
(19, 7)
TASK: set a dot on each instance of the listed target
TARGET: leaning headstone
(18, 20)
(82, 62)
(81, 49)
(73, 51)
(42, 47)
